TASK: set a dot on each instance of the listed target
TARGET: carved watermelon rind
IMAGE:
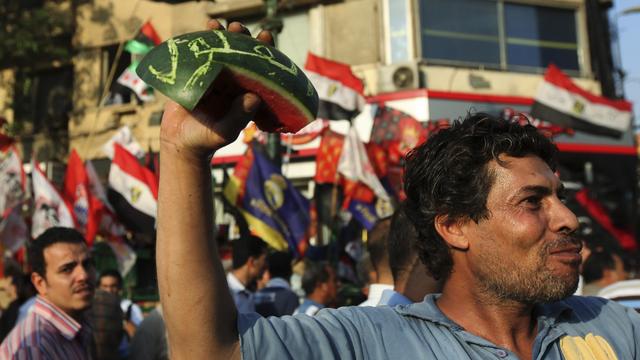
(183, 69)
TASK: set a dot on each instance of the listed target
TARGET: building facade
(433, 59)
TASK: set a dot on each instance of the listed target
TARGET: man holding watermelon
(492, 224)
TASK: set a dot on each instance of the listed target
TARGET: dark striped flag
(339, 90)
(560, 101)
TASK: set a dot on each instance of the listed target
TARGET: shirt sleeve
(331, 334)
(136, 315)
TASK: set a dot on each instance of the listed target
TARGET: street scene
(319, 179)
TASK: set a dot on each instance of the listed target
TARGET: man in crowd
(106, 325)
(601, 269)
(150, 340)
(277, 298)
(248, 262)
(379, 257)
(64, 277)
(111, 281)
(492, 224)
(320, 285)
(411, 281)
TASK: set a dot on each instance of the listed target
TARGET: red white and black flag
(560, 101)
(339, 90)
(133, 191)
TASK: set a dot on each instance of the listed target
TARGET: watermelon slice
(210, 64)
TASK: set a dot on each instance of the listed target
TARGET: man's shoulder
(593, 312)
(582, 306)
(28, 337)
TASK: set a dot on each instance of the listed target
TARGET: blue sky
(629, 30)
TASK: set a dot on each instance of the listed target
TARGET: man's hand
(199, 133)
(198, 310)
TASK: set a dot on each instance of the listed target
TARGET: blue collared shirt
(241, 296)
(568, 329)
(308, 307)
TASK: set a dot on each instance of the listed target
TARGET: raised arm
(199, 313)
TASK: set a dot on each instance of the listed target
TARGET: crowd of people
(481, 261)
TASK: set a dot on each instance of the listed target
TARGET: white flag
(12, 180)
(131, 80)
(95, 186)
(125, 138)
(125, 256)
(50, 209)
(13, 230)
(354, 164)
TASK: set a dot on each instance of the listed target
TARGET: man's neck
(506, 323)
(384, 277)
(318, 298)
(242, 275)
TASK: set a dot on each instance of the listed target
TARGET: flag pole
(273, 23)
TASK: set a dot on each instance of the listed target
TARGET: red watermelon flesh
(276, 110)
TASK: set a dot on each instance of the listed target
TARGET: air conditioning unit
(398, 77)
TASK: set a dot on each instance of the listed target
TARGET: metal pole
(274, 24)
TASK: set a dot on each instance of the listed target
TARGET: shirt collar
(278, 282)
(308, 302)
(64, 323)
(547, 314)
(234, 284)
(375, 290)
(551, 313)
(393, 298)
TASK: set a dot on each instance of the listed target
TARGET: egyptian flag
(560, 101)
(50, 208)
(133, 192)
(339, 90)
(109, 225)
(76, 193)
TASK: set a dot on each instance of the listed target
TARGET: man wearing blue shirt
(492, 225)
(320, 285)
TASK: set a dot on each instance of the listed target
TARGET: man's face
(109, 284)
(525, 251)
(257, 267)
(618, 273)
(331, 286)
(69, 277)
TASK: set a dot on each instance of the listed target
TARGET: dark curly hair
(448, 175)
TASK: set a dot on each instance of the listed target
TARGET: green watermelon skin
(189, 67)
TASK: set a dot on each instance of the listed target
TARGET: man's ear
(251, 261)
(452, 231)
(40, 283)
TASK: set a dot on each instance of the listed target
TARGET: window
(498, 34)
(463, 31)
(537, 36)
(117, 93)
(398, 35)
(294, 38)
